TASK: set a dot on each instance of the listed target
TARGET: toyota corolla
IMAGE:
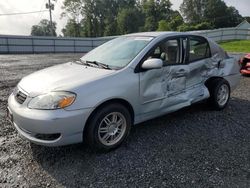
(123, 82)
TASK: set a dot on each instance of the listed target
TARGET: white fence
(226, 34)
(12, 44)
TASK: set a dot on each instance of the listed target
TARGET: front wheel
(108, 127)
(219, 93)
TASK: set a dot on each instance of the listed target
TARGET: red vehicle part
(245, 65)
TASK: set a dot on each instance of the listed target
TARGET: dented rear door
(198, 53)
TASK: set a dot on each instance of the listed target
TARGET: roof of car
(154, 34)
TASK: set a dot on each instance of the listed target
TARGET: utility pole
(50, 6)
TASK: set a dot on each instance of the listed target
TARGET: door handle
(181, 71)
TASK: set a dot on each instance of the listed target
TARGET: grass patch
(236, 46)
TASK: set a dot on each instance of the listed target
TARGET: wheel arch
(212, 79)
(123, 102)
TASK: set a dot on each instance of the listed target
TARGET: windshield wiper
(96, 63)
(83, 62)
(102, 65)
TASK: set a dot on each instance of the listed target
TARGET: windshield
(118, 52)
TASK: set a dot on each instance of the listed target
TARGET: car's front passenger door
(162, 88)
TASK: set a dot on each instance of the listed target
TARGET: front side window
(169, 51)
(198, 49)
(119, 52)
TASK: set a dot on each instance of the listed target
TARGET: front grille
(20, 97)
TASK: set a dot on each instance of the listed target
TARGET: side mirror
(152, 64)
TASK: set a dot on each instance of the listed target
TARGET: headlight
(52, 100)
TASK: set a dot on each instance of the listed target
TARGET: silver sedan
(125, 81)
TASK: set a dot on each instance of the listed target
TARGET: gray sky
(21, 24)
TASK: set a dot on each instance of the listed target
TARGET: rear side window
(198, 49)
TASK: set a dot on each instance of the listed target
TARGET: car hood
(61, 77)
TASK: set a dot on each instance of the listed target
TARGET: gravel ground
(194, 147)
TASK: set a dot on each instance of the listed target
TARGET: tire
(219, 90)
(110, 122)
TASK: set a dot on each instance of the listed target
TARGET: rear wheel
(108, 127)
(219, 90)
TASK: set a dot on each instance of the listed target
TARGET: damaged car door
(198, 54)
(161, 90)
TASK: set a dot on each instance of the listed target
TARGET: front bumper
(31, 124)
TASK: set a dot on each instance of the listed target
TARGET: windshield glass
(118, 52)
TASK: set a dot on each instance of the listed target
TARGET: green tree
(203, 26)
(234, 17)
(72, 29)
(73, 11)
(109, 14)
(92, 19)
(190, 27)
(220, 15)
(96, 17)
(124, 20)
(111, 17)
(163, 26)
(175, 21)
(44, 28)
(215, 12)
(186, 27)
(193, 10)
(172, 24)
(247, 18)
(115, 12)
(154, 11)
